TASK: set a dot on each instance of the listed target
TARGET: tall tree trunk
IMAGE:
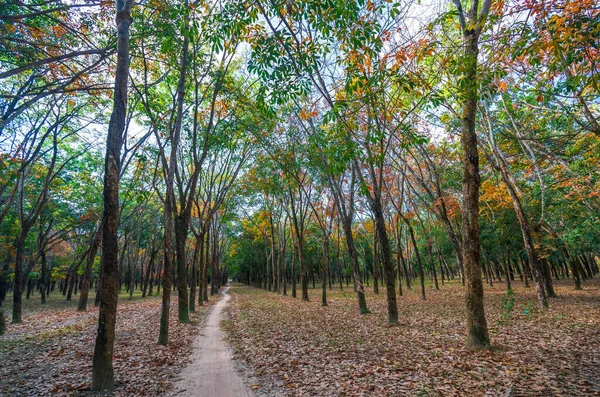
(149, 270)
(353, 254)
(411, 232)
(532, 255)
(87, 277)
(303, 269)
(163, 335)
(3, 291)
(375, 263)
(198, 250)
(432, 264)
(477, 329)
(201, 270)
(205, 267)
(324, 271)
(283, 266)
(399, 258)
(131, 276)
(181, 232)
(2, 321)
(182, 221)
(18, 280)
(293, 270)
(386, 257)
(102, 368)
(98, 287)
(507, 275)
(44, 275)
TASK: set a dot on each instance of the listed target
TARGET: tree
(471, 23)
(103, 377)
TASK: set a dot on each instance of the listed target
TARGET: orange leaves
(452, 206)
(579, 6)
(371, 6)
(58, 30)
(307, 114)
(400, 58)
(495, 196)
(498, 7)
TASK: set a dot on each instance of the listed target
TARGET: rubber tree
(103, 377)
(471, 23)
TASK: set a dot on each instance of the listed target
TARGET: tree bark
(18, 281)
(87, 277)
(386, 257)
(532, 256)
(102, 368)
(477, 329)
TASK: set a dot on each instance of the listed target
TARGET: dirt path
(211, 372)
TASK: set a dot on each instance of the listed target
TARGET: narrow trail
(211, 372)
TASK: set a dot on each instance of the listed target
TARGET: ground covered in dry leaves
(51, 352)
(302, 349)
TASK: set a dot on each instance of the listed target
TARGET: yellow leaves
(502, 86)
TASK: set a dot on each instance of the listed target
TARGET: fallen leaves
(298, 348)
(51, 353)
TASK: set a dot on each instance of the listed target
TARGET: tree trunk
(198, 249)
(477, 330)
(132, 276)
(18, 281)
(102, 369)
(324, 271)
(181, 232)
(205, 267)
(293, 270)
(201, 270)
(44, 276)
(375, 262)
(2, 321)
(353, 254)
(432, 264)
(87, 277)
(3, 291)
(399, 258)
(411, 232)
(149, 271)
(534, 260)
(386, 257)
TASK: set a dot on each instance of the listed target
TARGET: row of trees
(272, 140)
(372, 96)
(179, 114)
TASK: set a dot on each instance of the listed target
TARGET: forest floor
(302, 349)
(51, 352)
